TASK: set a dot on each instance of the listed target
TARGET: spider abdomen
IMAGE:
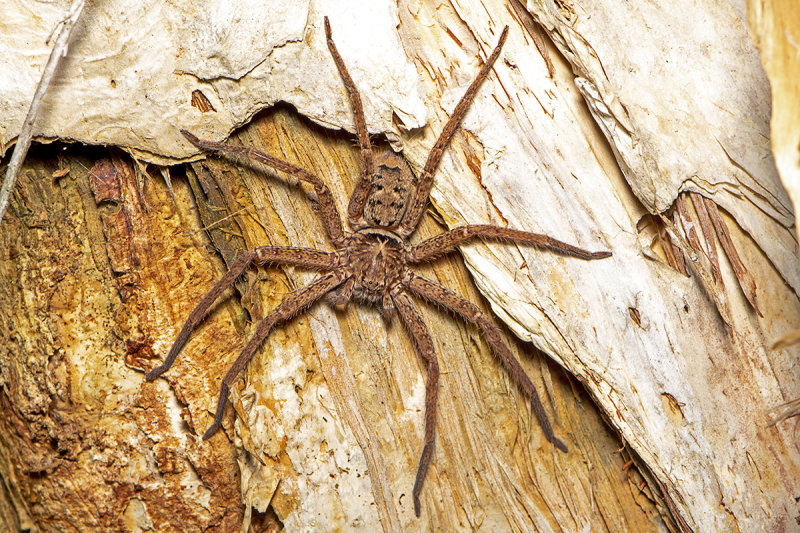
(389, 193)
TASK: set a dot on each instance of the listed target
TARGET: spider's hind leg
(422, 340)
(416, 209)
(328, 211)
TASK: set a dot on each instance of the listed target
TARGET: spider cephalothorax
(372, 262)
(376, 260)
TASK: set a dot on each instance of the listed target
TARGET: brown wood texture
(101, 266)
(93, 269)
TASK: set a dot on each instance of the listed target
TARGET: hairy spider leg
(415, 211)
(435, 293)
(355, 208)
(287, 255)
(328, 211)
(438, 245)
(422, 340)
(295, 303)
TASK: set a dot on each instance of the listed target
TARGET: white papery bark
(683, 102)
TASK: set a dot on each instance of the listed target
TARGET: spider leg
(422, 339)
(342, 295)
(304, 257)
(356, 206)
(291, 306)
(435, 293)
(414, 213)
(444, 242)
(327, 207)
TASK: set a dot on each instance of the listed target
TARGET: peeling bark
(91, 274)
(102, 264)
(101, 268)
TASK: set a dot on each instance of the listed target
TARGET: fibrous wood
(329, 418)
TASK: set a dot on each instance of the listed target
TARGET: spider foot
(155, 373)
(210, 431)
(192, 138)
(547, 429)
(600, 255)
(558, 443)
(422, 470)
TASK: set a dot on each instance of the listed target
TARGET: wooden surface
(98, 280)
(775, 26)
(592, 142)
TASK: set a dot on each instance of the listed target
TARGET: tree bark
(588, 138)
(101, 268)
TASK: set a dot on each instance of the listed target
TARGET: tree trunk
(102, 268)
(105, 256)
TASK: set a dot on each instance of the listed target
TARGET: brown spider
(371, 262)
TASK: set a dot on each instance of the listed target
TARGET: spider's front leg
(291, 306)
(303, 257)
